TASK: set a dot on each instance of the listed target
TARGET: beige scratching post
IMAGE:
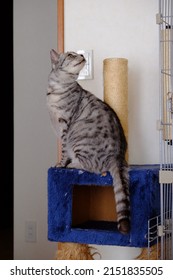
(73, 251)
(115, 74)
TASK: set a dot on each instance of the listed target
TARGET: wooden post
(60, 6)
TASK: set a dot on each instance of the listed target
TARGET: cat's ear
(54, 57)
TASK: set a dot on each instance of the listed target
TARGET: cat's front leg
(74, 165)
(58, 165)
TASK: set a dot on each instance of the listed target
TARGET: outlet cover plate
(87, 72)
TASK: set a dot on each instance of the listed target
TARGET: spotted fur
(91, 133)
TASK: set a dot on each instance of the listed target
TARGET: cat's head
(69, 62)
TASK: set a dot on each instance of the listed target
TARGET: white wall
(126, 28)
(35, 33)
(122, 28)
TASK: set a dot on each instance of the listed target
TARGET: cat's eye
(70, 55)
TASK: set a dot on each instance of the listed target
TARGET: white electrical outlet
(30, 231)
(87, 72)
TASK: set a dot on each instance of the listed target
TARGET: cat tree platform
(81, 206)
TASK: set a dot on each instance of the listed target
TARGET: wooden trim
(60, 7)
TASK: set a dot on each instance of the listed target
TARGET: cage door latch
(160, 230)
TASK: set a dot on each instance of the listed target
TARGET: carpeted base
(144, 198)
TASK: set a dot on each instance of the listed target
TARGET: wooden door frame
(60, 27)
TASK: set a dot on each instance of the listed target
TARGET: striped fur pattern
(91, 133)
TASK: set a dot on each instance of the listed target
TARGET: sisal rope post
(73, 251)
(152, 253)
(115, 75)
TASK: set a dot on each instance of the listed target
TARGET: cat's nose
(82, 56)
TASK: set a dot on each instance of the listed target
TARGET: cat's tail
(120, 177)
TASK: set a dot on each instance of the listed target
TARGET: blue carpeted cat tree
(70, 222)
(81, 206)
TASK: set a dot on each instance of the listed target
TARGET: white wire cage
(160, 229)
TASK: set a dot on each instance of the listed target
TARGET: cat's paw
(104, 174)
(58, 165)
(74, 165)
(124, 226)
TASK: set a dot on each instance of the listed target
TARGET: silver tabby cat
(91, 133)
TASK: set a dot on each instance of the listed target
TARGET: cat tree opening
(92, 207)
